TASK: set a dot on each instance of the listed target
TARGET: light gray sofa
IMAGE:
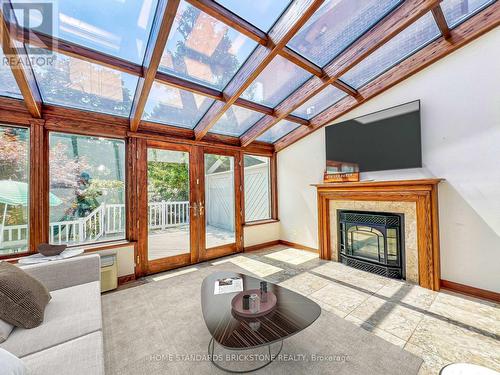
(69, 341)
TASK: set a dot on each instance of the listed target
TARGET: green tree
(168, 181)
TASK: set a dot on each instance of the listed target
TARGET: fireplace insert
(373, 242)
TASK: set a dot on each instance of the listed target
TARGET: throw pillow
(11, 365)
(5, 330)
(22, 297)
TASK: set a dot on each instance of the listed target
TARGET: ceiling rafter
(437, 13)
(231, 19)
(164, 19)
(396, 21)
(284, 29)
(20, 65)
(64, 47)
(312, 68)
(469, 30)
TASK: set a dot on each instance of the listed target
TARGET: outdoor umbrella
(16, 193)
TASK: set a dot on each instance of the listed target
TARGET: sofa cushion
(10, 364)
(81, 356)
(22, 297)
(73, 312)
(5, 330)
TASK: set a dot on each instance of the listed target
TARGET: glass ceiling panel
(204, 50)
(75, 83)
(235, 121)
(262, 14)
(336, 25)
(407, 42)
(278, 131)
(457, 11)
(277, 81)
(172, 106)
(119, 28)
(317, 104)
(8, 85)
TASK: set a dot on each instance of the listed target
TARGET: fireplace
(372, 241)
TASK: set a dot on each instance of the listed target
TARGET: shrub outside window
(14, 190)
(87, 189)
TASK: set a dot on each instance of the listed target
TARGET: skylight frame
(342, 50)
(345, 77)
(185, 6)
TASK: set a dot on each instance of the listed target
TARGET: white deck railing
(104, 220)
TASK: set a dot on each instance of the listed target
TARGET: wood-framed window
(87, 201)
(259, 181)
(14, 190)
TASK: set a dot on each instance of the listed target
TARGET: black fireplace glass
(372, 241)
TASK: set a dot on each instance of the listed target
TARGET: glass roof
(407, 42)
(457, 11)
(76, 83)
(262, 16)
(317, 104)
(172, 106)
(119, 28)
(204, 50)
(8, 85)
(278, 80)
(336, 25)
(235, 121)
(278, 131)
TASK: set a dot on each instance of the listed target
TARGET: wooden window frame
(273, 189)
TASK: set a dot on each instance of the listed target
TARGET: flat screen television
(384, 140)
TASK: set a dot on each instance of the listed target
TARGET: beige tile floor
(440, 327)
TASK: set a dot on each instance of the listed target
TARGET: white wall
(460, 98)
(258, 234)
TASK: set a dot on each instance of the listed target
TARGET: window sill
(260, 222)
(105, 246)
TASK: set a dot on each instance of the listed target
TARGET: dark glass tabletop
(292, 314)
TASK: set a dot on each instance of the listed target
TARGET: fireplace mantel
(423, 192)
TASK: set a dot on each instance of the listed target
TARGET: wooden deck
(175, 241)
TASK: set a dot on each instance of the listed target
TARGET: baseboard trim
(126, 279)
(298, 246)
(470, 290)
(261, 246)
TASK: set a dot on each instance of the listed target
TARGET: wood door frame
(215, 252)
(164, 264)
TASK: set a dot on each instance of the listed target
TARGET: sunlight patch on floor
(173, 274)
(293, 256)
(260, 269)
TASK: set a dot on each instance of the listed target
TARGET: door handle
(201, 209)
(195, 209)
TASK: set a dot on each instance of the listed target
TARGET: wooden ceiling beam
(402, 17)
(184, 84)
(74, 50)
(231, 19)
(285, 28)
(160, 30)
(20, 66)
(471, 29)
(437, 13)
(301, 61)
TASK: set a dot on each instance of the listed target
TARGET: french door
(193, 205)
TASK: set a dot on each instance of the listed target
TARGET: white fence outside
(107, 219)
(257, 193)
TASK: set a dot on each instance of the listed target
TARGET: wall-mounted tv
(388, 139)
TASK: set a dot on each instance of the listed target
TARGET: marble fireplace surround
(416, 199)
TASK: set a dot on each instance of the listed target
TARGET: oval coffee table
(292, 314)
